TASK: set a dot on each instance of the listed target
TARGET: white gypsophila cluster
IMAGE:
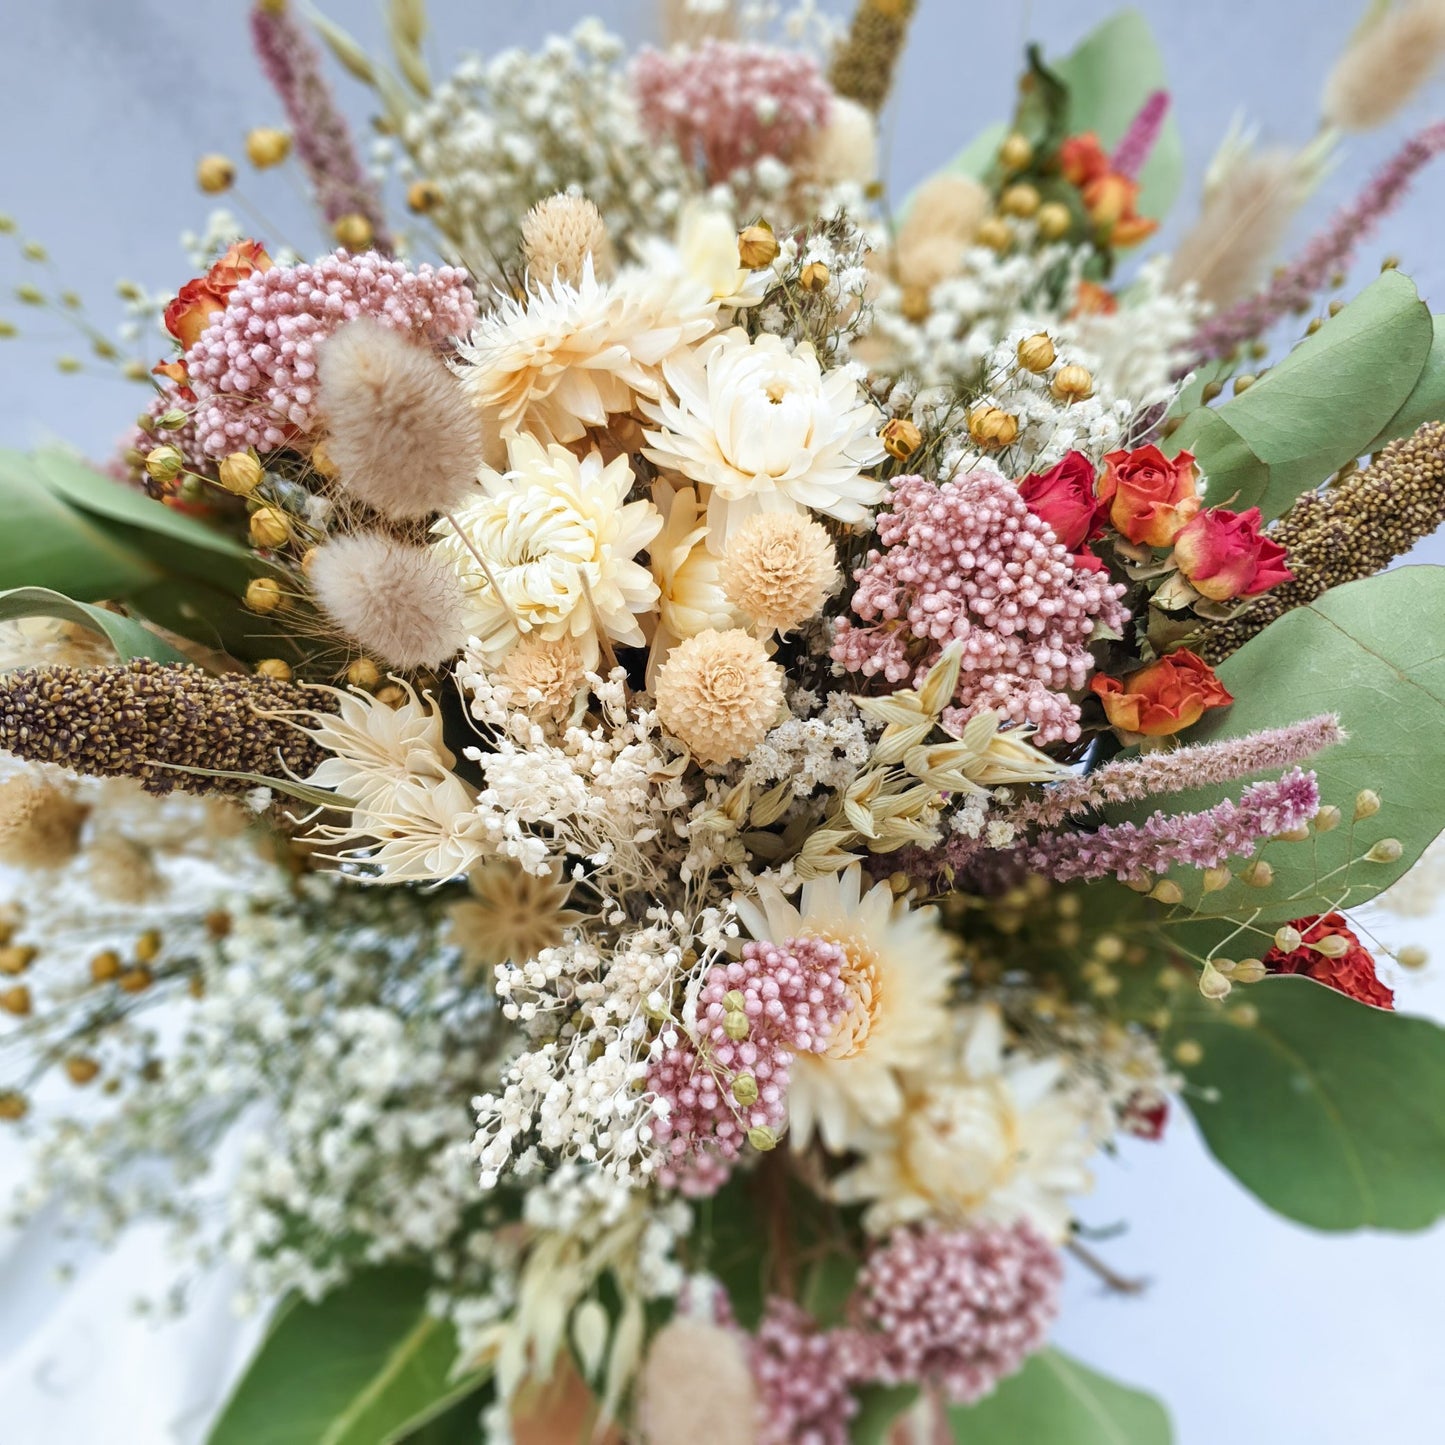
(826, 751)
(332, 1054)
(598, 1016)
(502, 134)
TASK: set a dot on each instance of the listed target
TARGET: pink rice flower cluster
(1295, 286)
(729, 102)
(319, 129)
(253, 369)
(804, 1377)
(792, 996)
(957, 1310)
(966, 561)
(1132, 153)
(1196, 840)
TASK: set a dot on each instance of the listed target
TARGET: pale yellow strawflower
(39, 823)
(779, 568)
(512, 914)
(719, 693)
(545, 676)
(559, 234)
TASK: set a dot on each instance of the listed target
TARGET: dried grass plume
(400, 602)
(1386, 63)
(400, 431)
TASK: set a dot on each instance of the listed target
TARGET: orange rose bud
(1164, 698)
(1091, 299)
(1082, 159)
(1150, 497)
(1224, 555)
(190, 313)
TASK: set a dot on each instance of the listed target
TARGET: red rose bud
(1150, 496)
(1164, 698)
(1144, 1115)
(1352, 972)
(1223, 554)
(1082, 159)
(1064, 497)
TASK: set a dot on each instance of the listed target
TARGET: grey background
(1254, 1331)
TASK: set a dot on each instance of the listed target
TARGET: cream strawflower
(719, 693)
(984, 1136)
(707, 246)
(900, 964)
(765, 429)
(511, 916)
(559, 539)
(779, 569)
(691, 597)
(570, 357)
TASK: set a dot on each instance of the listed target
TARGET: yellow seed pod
(1016, 152)
(1036, 353)
(321, 461)
(1387, 850)
(148, 946)
(815, 277)
(1287, 939)
(1213, 984)
(423, 196)
(757, 247)
(1367, 804)
(354, 232)
(16, 1000)
(274, 667)
(240, 473)
(745, 1090)
(13, 1106)
(1073, 383)
(1328, 819)
(214, 174)
(915, 303)
(1249, 970)
(736, 1026)
(15, 958)
(1258, 875)
(1244, 382)
(263, 594)
(1022, 200)
(363, 673)
(1412, 956)
(266, 146)
(1214, 879)
(164, 464)
(135, 980)
(1188, 1052)
(270, 527)
(1054, 220)
(991, 426)
(762, 1138)
(391, 695)
(1167, 891)
(900, 438)
(995, 233)
(105, 966)
(81, 1069)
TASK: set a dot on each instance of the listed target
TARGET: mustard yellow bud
(270, 527)
(762, 1139)
(354, 232)
(1188, 1052)
(16, 1000)
(1036, 353)
(1367, 804)
(215, 174)
(1073, 383)
(1016, 152)
(900, 438)
(165, 464)
(815, 277)
(80, 1069)
(1258, 875)
(1214, 879)
(274, 667)
(1054, 221)
(13, 1106)
(135, 980)
(757, 247)
(266, 146)
(745, 1090)
(241, 473)
(17, 957)
(1021, 200)
(1328, 819)
(363, 673)
(1167, 891)
(995, 233)
(263, 594)
(105, 966)
(1387, 850)
(991, 426)
(423, 196)
(1412, 956)
(735, 1025)
(1213, 984)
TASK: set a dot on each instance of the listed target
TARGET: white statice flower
(764, 428)
(899, 966)
(557, 541)
(984, 1135)
(571, 357)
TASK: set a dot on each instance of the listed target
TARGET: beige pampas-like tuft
(695, 1385)
(1387, 61)
(559, 234)
(690, 22)
(943, 218)
(402, 603)
(400, 432)
(40, 823)
(1250, 198)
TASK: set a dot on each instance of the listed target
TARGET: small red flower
(1064, 497)
(1144, 1115)
(1352, 973)
(1225, 556)
(1082, 159)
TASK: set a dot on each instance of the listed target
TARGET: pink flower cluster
(253, 369)
(957, 1310)
(792, 996)
(804, 1378)
(730, 103)
(966, 561)
(1133, 152)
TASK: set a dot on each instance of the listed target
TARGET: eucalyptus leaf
(1427, 401)
(1109, 76)
(1054, 1400)
(129, 638)
(1322, 406)
(1359, 651)
(365, 1363)
(978, 155)
(1327, 1109)
(879, 1409)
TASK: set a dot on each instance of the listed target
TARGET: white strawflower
(558, 538)
(707, 253)
(719, 693)
(570, 357)
(984, 1136)
(765, 429)
(899, 966)
(779, 569)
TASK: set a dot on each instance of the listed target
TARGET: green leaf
(49, 544)
(1360, 651)
(977, 156)
(879, 1408)
(128, 637)
(1320, 407)
(366, 1362)
(1109, 76)
(1427, 401)
(1326, 1109)
(450, 1420)
(1055, 1400)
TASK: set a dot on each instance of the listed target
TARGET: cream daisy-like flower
(899, 966)
(428, 831)
(779, 569)
(511, 916)
(984, 1136)
(558, 539)
(719, 693)
(706, 252)
(764, 428)
(690, 591)
(570, 357)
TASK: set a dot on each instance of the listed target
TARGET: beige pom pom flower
(559, 234)
(545, 674)
(845, 149)
(719, 693)
(779, 568)
(39, 823)
(696, 1385)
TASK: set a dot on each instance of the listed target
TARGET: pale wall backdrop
(1255, 1331)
